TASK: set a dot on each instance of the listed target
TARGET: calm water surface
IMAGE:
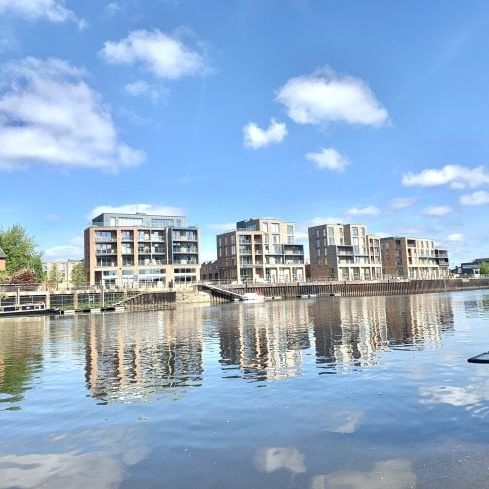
(333, 393)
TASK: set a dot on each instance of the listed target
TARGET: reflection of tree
(129, 357)
(264, 340)
(20, 356)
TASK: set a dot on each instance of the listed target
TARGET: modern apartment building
(344, 252)
(413, 258)
(141, 249)
(259, 250)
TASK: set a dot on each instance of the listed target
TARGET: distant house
(3, 260)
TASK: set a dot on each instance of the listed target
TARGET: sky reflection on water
(234, 396)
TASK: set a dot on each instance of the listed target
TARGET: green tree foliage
(78, 275)
(21, 251)
(55, 276)
(484, 268)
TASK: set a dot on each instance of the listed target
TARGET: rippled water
(333, 393)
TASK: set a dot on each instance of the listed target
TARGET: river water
(327, 393)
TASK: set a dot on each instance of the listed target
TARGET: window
(331, 241)
(275, 228)
(265, 227)
(290, 229)
(330, 230)
(317, 233)
(130, 221)
(354, 231)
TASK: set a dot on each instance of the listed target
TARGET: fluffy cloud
(477, 198)
(437, 210)
(49, 115)
(140, 87)
(134, 208)
(370, 210)
(455, 237)
(51, 10)
(136, 88)
(162, 54)
(255, 137)
(325, 96)
(456, 176)
(328, 159)
(73, 250)
(401, 203)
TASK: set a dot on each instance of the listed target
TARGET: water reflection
(276, 458)
(265, 340)
(350, 332)
(131, 357)
(387, 474)
(20, 358)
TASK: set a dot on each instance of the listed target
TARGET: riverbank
(151, 299)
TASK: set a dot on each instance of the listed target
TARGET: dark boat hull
(30, 312)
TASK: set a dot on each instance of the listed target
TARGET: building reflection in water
(132, 356)
(351, 331)
(266, 341)
(21, 356)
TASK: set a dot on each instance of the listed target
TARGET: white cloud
(73, 250)
(140, 87)
(388, 474)
(401, 203)
(456, 176)
(136, 88)
(162, 54)
(455, 237)
(49, 115)
(325, 96)
(51, 10)
(328, 159)
(370, 210)
(477, 198)
(277, 458)
(255, 137)
(437, 210)
(112, 8)
(134, 208)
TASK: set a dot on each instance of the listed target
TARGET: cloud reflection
(344, 421)
(277, 458)
(388, 474)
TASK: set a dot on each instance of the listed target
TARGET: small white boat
(252, 297)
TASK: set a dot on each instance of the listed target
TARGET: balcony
(183, 249)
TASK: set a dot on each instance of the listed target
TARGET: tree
(21, 251)
(55, 276)
(484, 268)
(78, 276)
(25, 277)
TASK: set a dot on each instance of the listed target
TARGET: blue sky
(373, 112)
